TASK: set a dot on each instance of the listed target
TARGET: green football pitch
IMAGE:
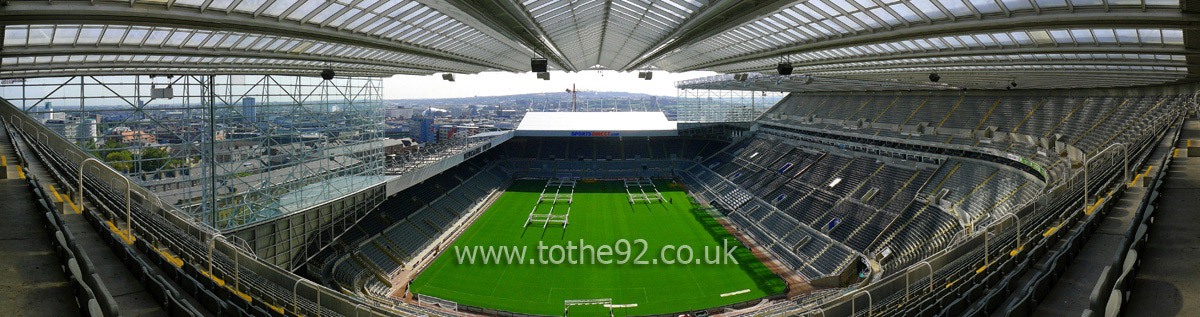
(600, 214)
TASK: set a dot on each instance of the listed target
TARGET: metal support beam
(104, 12)
(718, 17)
(510, 20)
(1126, 18)
(990, 52)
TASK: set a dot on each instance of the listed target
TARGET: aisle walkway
(32, 282)
(131, 297)
(1168, 281)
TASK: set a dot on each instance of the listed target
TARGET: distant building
(88, 130)
(401, 113)
(126, 136)
(249, 109)
(450, 131)
(426, 131)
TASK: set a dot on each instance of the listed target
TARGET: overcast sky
(504, 83)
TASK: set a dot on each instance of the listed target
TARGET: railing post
(295, 301)
(907, 284)
(870, 301)
(128, 202)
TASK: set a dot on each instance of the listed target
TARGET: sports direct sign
(594, 133)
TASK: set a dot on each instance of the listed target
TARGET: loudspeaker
(649, 75)
(934, 77)
(538, 65)
(448, 77)
(543, 76)
(784, 68)
(327, 74)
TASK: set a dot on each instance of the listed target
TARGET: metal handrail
(908, 285)
(128, 189)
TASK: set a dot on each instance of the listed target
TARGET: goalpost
(553, 199)
(548, 218)
(641, 195)
(606, 302)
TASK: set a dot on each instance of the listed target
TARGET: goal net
(642, 190)
(548, 218)
(599, 302)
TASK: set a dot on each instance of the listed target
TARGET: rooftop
(596, 124)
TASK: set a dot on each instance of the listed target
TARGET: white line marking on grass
(736, 293)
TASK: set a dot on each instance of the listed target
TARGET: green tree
(153, 159)
(120, 160)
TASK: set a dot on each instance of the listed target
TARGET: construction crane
(574, 97)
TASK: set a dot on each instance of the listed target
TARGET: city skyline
(505, 83)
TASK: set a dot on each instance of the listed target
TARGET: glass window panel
(1105, 36)
(1060, 36)
(135, 36)
(1041, 37)
(905, 12)
(861, 16)
(1003, 39)
(1082, 36)
(1168, 3)
(1017, 5)
(1050, 3)
(820, 5)
(305, 9)
(157, 37)
(929, 9)
(986, 6)
(834, 26)
(198, 38)
(957, 7)
(219, 4)
(969, 40)
(65, 35)
(1172, 37)
(326, 13)
(1151, 36)
(953, 42)
(850, 22)
(112, 35)
(14, 36)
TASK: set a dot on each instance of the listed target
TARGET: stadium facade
(881, 157)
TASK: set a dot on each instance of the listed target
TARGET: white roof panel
(596, 124)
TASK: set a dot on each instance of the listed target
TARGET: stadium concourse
(924, 157)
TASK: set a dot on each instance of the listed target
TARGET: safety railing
(143, 203)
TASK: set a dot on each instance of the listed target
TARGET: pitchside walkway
(1168, 280)
(31, 277)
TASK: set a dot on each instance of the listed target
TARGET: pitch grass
(600, 214)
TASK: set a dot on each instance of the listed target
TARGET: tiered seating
(438, 203)
(1087, 122)
(604, 148)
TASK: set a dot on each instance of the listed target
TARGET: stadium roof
(971, 43)
(603, 124)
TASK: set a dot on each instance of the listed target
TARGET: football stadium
(817, 158)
